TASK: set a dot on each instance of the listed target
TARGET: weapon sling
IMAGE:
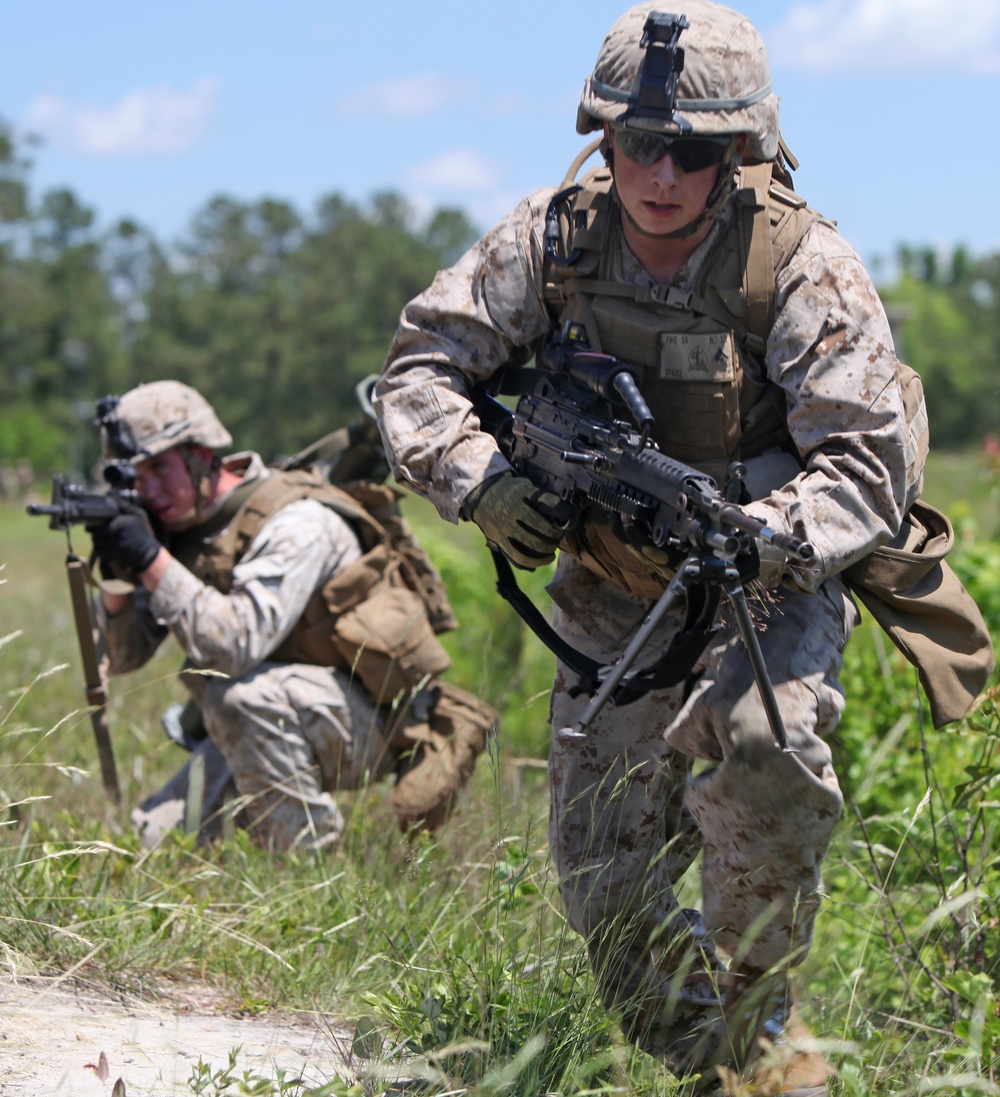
(96, 692)
(672, 667)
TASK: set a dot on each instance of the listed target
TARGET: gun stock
(94, 685)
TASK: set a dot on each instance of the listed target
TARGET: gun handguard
(73, 505)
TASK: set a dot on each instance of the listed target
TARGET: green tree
(218, 318)
(20, 281)
(74, 320)
(275, 319)
(951, 337)
(58, 338)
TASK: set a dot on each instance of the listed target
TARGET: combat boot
(771, 1049)
(437, 755)
(791, 1065)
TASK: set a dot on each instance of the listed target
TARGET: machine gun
(74, 505)
(582, 431)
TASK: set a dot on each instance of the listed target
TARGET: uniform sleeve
(486, 311)
(295, 552)
(130, 637)
(831, 352)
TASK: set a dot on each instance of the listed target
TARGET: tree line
(949, 308)
(275, 315)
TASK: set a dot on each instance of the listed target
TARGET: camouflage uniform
(693, 767)
(285, 734)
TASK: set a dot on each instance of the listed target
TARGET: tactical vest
(377, 618)
(700, 352)
(702, 375)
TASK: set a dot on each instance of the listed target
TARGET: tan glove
(772, 565)
(518, 518)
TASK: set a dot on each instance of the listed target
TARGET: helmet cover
(163, 414)
(718, 80)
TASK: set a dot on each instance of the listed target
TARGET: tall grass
(452, 954)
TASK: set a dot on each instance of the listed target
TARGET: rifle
(73, 505)
(570, 436)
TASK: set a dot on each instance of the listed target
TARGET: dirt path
(51, 1031)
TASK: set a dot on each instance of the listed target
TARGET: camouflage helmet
(163, 414)
(703, 71)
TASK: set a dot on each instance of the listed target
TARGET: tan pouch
(382, 503)
(388, 642)
(911, 591)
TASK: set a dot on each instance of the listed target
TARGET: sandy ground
(52, 1035)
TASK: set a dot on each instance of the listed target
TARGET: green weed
(451, 956)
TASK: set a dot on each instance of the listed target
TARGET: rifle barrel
(800, 550)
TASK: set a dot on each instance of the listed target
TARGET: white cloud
(483, 209)
(911, 36)
(407, 97)
(145, 120)
(461, 170)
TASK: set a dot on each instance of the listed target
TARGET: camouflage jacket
(297, 551)
(830, 352)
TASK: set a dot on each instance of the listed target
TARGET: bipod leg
(738, 600)
(687, 573)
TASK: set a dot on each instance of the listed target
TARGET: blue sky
(149, 110)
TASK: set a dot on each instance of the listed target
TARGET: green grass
(967, 490)
(456, 949)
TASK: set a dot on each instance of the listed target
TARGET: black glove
(126, 543)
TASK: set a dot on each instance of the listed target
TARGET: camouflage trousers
(688, 769)
(280, 740)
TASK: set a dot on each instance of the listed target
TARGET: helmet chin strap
(201, 473)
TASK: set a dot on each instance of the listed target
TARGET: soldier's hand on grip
(126, 543)
(520, 519)
(771, 565)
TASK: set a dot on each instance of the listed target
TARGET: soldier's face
(661, 197)
(166, 489)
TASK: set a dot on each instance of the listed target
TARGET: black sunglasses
(688, 153)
